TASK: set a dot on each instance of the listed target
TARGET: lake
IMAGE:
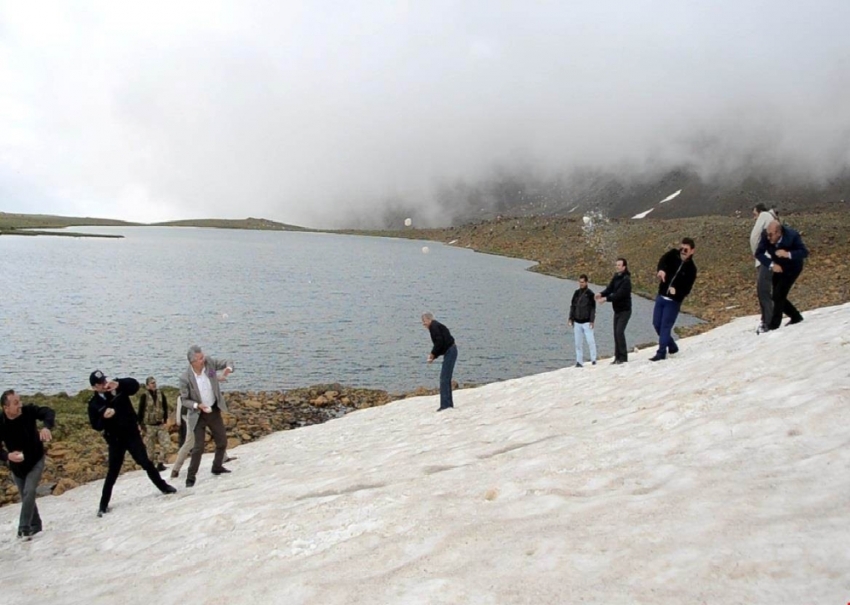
(290, 309)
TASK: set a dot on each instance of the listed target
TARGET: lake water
(290, 309)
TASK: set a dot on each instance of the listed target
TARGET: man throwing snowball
(676, 276)
(21, 446)
(112, 413)
(201, 394)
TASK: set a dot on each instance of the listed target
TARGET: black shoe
(578, 365)
(593, 363)
(168, 489)
(161, 467)
(617, 362)
(220, 471)
(673, 349)
(190, 482)
(102, 511)
(448, 407)
(794, 321)
(25, 534)
(658, 357)
(229, 458)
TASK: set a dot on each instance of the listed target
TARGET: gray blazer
(191, 394)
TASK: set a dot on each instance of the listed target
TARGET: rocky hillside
(567, 247)
(618, 195)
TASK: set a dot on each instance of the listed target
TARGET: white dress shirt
(205, 387)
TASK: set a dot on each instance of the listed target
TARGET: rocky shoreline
(77, 453)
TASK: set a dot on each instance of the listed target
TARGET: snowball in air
(224, 315)
(586, 220)
(407, 222)
(425, 250)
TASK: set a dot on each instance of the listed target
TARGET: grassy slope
(248, 223)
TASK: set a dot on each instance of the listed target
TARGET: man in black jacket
(444, 344)
(782, 250)
(111, 412)
(21, 447)
(676, 274)
(153, 420)
(619, 294)
(582, 318)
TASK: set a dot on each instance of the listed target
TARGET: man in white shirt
(201, 395)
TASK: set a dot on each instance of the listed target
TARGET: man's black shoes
(161, 467)
(220, 471)
(168, 489)
(658, 357)
(102, 511)
(190, 482)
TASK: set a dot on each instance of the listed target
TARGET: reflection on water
(290, 309)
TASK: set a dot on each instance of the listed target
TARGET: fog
(326, 113)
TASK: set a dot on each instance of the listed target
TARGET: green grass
(248, 223)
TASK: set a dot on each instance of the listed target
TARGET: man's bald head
(774, 231)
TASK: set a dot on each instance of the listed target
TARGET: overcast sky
(304, 112)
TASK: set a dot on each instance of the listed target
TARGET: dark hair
(582, 277)
(760, 207)
(625, 262)
(4, 398)
(689, 242)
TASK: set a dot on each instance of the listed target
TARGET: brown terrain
(566, 247)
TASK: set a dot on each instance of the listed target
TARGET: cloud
(316, 112)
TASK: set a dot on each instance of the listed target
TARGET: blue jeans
(449, 360)
(582, 331)
(663, 319)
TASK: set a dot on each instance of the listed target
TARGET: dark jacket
(441, 337)
(155, 419)
(619, 292)
(125, 421)
(583, 307)
(790, 241)
(678, 275)
(21, 435)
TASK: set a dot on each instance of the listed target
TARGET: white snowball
(407, 222)
(224, 315)
(587, 220)
(425, 250)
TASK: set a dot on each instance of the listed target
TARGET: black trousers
(118, 446)
(782, 283)
(621, 320)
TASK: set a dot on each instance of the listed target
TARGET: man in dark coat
(21, 447)
(619, 294)
(444, 344)
(111, 412)
(582, 318)
(782, 250)
(676, 274)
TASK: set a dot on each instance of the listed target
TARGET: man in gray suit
(201, 396)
